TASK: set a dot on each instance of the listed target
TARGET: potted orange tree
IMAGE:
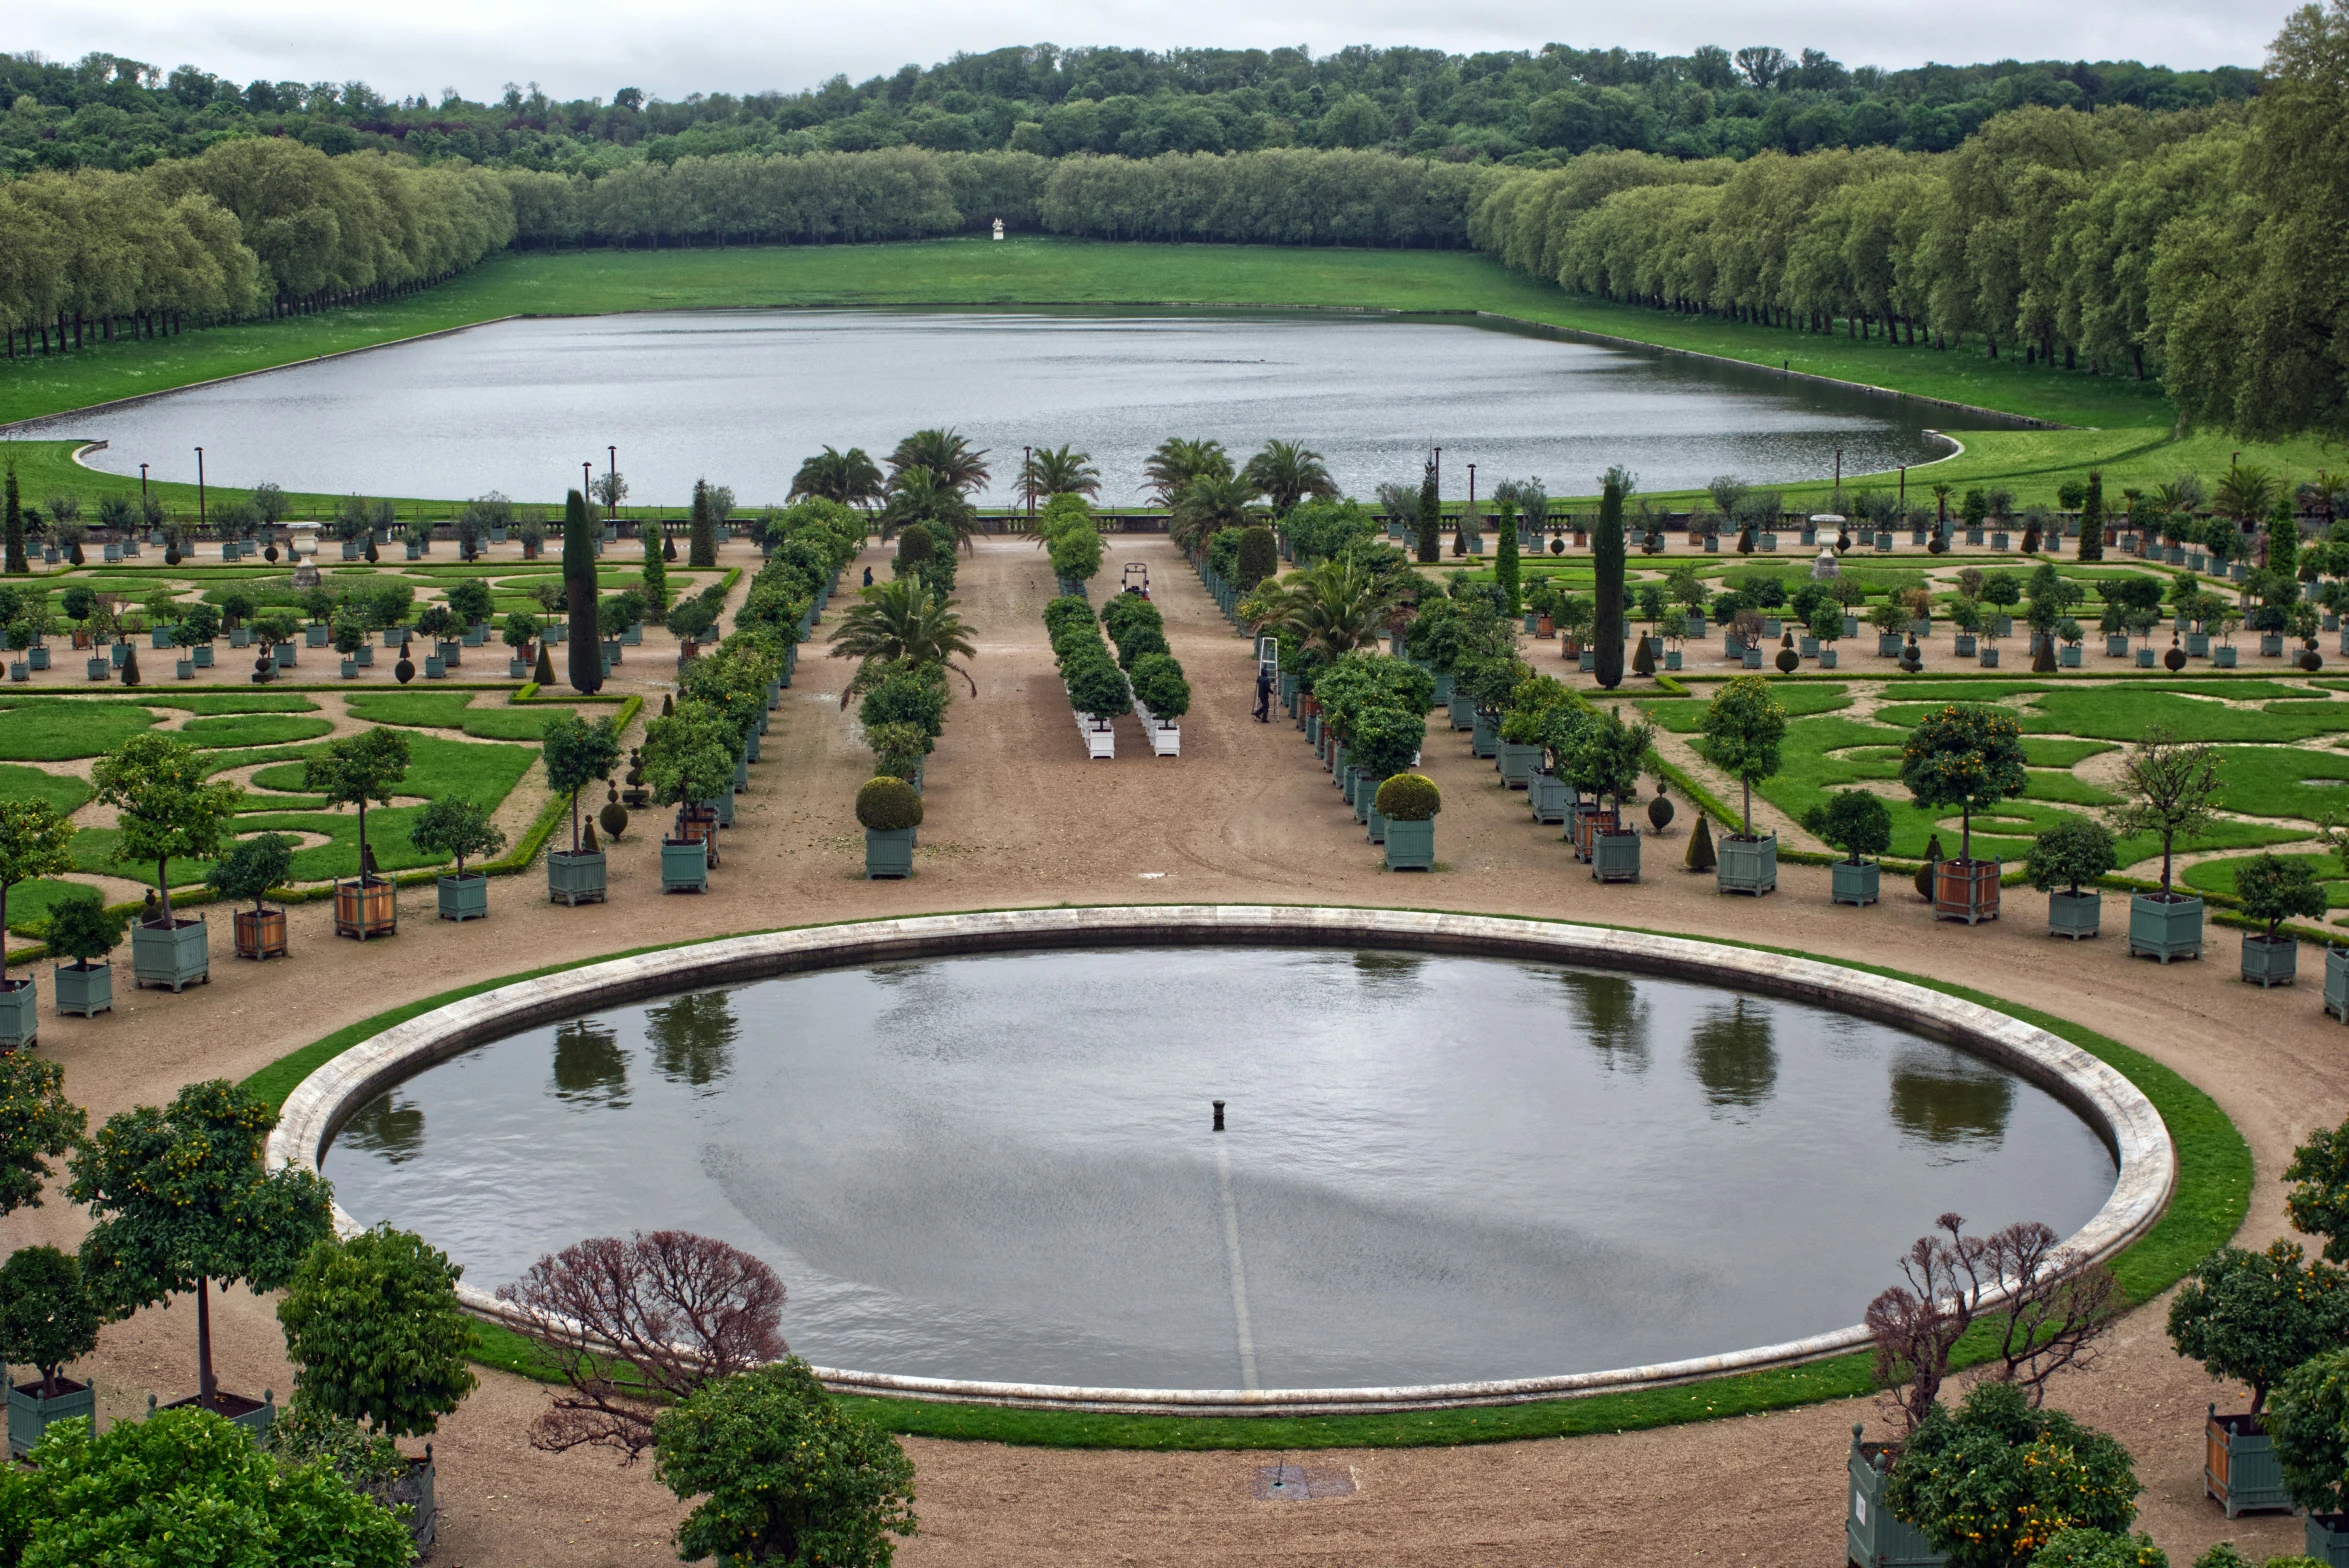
(2074, 851)
(457, 827)
(1743, 729)
(354, 770)
(250, 870)
(2275, 890)
(167, 809)
(36, 840)
(576, 753)
(1854, 821)
(2172, 789)
(1965, 755)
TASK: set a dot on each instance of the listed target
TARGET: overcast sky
(589, 48)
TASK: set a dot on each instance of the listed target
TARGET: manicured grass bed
(62, 791)
(253, 729)
(2205, 1210)
(455, 710)
(61, 729)
(2218, 876)
(2124, 714)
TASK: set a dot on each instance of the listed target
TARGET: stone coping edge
(2119, 1113)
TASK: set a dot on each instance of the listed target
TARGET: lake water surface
(1435, 1169)
(740, 397)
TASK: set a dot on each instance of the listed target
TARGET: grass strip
(2206, 1208)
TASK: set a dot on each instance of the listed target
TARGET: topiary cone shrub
(1925, 871)
(1700, 846)
(543, 673)
(1409, 797)
(887, 805)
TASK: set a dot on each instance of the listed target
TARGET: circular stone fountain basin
(1439, 1169)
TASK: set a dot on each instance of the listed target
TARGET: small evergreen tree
(375, 1329)
(587, 652)
(2092, 517)
(1431, 521)
(1508, 571)
(1606, 546)
(655, 591)
(12, 510)
(1743, 729)
(1700, 846)
(702, 540)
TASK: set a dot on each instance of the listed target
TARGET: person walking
(1263, 696)
(868, 577)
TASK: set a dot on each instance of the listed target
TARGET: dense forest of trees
(2207, 245)
(1526, 107)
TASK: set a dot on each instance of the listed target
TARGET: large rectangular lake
(741, 397)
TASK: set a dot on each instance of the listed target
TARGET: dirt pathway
(1017, 816)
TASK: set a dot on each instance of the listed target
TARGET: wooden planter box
(20, 1020)
(255, 1416)
(2223, 658)
(1585, 822)
(1615, 856)
(1362, 790)
(463, 898)
(177, 955)
(1872, 1536)
(2075, 915)
(1965, 890)
(1462, 710)
(2327, 1538)
(1376, 823)
(83, 990)
(29, 1414)
(1854, 884)
(1410, 845)
(888, 854)
(2165, 930)
(366, 908)
(685, 865)
(1747, 865)
(2268, 963)
(260, 933)
(1517, 763)
(1549, 796)
(1484, 737)
(574, 877)
(2337, 982)
(2239, 1466)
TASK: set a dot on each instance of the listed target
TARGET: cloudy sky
(588, 48)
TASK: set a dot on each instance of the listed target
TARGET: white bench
(1166, 736)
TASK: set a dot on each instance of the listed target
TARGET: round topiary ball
(1409, 797)
(2312, 661)
(887, 805)
(1788, 661)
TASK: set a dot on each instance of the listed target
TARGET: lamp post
(612, 456)
(199, 489)
(142, 482)
(1437, 522)
(1839, 468)
(586, 485)
(1028, 482)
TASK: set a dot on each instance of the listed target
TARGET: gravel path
(1018, 817)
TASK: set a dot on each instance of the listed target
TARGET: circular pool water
(1437, 1169)
(740, 397)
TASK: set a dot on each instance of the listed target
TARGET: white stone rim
(2111, 1105)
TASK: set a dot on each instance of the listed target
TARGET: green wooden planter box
(1462, 711)
(2239, 1466)
(741, 774)
(38, 658)
(2223, 658)
(574, 878)
(1376, 823)
(434, 669)
(464, 898)
(1518, 762)
(2337, 982)
(1872, 1536)
(1410, 845)
(1365, 788)
(1850, 884)
(1746, 865)
(2165, 930)
(2076, 915)
(1615, 856)
(240, 1410)
(1549, 796)
(177, 955)
(29, 1415)
(20, 1019)
(83, 992)
(1966, 646)
(888, 853)
(2327, 1538)
(685, 865)
(316, 636)
(350, 669)
(2267, 963)
(1484, 735)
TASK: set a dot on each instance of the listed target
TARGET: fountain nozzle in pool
(1219, 1116)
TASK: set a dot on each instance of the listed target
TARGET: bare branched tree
(2051, 1304)
(635, 1325)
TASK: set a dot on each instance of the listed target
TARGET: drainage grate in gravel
(1286, 1483)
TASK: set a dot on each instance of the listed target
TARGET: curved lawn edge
(2206, 1207)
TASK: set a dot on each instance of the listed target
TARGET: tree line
(2205, 247)
(1528, 106)
(251, 226)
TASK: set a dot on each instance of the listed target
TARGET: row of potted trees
(1161, 693)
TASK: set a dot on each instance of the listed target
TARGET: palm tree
(904, 620)
(915, 495)
(1211, 503)
(1287, 473)
(1178, 461)
(945, 454)
(847, 477)
(2246, 495)
(1335, 606)
(1051, 471)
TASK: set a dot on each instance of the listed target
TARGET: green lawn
(2133, 435)
(2124, 714)
(253, 729)
(2218, 876)
(453, 710)
(60, 729)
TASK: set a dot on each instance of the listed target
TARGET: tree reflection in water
(391, 1128)
(1734, 1055)
(1611, 1015)
(590, 1067)
(1950, 1101)
(693, 1039)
